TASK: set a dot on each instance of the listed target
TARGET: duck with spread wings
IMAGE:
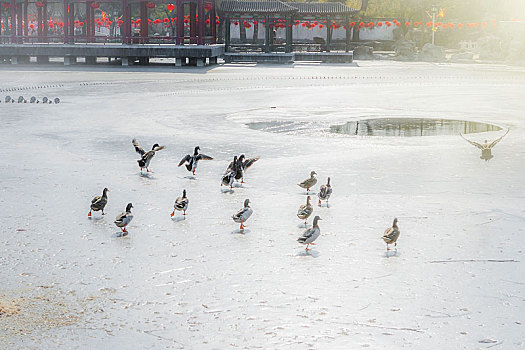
(146, 157)
(191, 161)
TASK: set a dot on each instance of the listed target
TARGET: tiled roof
(315, 8)
(262, 7)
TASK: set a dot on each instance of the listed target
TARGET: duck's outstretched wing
(203, 157)
(498, 140)
(249, 162)
(185, 159)
(475, 144)
(138, 149)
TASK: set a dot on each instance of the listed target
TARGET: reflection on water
(486, 147)
(411, 127)
(281, 126)
(401, 127)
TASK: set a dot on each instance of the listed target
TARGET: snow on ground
(456, 281)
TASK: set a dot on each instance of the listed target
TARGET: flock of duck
(32, 99)
(234, 172)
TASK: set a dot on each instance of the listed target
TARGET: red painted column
(87, 21)
(39, 23)
(71, 21)
(193, 23)
(44, 20)
(144, 23)
(201, 29)
(13, 20)
(65, 18)
(26, 18)
(180, 23)
(19, 21)
(213, 22)
(126, 25)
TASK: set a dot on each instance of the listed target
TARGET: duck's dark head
(328, 182)
(196, 151)
(308, 199)
(395, 222)
(235, 159)
(105, 191)
(128, 207)
(246, 203)
(155, 146)
(183, 193)
(313, 173)
(316, 219)
(241, 157)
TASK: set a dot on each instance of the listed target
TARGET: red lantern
(207, 21)
(407, 24)
(388, 24)
(95, 5)
(150, 5)
(207, 7)
(81, 24)
(166, 20)
(32, 26)
(352, 24)
(157, 21)
(371, 24)
(484, 25)
(460, 26)
(186, 21)
(51, 25)
(170, 7)
(121, 22)
(429, 24)
(321, 26)
(398, 24)
(38, 4)
(379, 24)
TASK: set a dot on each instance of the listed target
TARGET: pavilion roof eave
(261, 8)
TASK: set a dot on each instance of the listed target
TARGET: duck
(310, 182)
(391, 235)
(181, 203)
(310, 234)
(229, 176)
(146, 156)
(99, 202)
(305, 210)
(123, 219)
(242, 165)
(191, 161)
(243, 214)
(325, 191)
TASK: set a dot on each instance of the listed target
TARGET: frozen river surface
(67, 282)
